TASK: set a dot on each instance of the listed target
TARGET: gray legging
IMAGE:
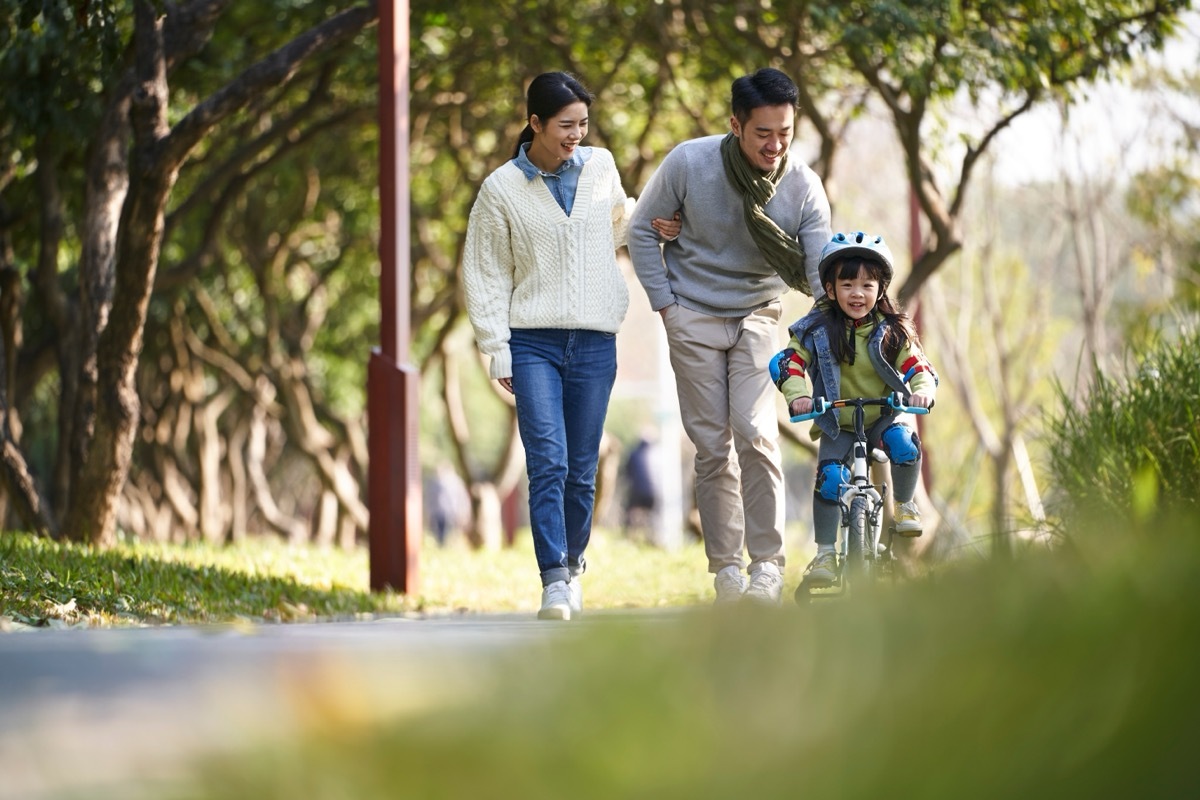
(827, 515)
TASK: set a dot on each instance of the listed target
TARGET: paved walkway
(87, 710)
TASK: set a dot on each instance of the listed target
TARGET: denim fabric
(562, 380)
(562, 183)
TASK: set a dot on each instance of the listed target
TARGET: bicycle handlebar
(893, 401)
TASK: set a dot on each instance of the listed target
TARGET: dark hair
(841, 331)
(548, 94)
(767, 87)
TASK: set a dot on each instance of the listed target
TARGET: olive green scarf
(784, 253)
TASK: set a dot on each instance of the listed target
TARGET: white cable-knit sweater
(528, 265)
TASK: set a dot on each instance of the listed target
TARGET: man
(750, 214)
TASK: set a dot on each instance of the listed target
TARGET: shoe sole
(555, 613)
(911, 533)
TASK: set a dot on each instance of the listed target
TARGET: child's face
(857, 295)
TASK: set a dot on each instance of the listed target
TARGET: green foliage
(269, 249)
(1166, 196)
(48, 583)
(1030, 679)
(1130, 453)
(61, 54)
(62, 584)
(934, 49)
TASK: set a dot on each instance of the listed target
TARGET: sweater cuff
(501, 364)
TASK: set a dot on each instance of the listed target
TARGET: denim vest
(826, 374)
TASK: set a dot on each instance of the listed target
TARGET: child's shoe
(822, 570)
(908, 519)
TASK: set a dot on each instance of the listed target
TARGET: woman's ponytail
(526, 136)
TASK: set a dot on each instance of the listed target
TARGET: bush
(1130, 453)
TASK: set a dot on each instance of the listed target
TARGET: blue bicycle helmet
(860, 244)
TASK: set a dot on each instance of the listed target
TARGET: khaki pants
(727, 402)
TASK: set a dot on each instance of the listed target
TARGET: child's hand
(801, 405)
(920, 401)
(668, 229)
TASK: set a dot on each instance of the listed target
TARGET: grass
(1067, 673)
(1133, 444)
(1057, 675)
(46, 583)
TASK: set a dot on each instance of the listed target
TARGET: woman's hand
(801, 405)
(507, 384)
(668, 229)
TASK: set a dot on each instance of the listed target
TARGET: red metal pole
(916, 249)
(394, 477)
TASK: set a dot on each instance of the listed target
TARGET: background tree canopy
(188, 215)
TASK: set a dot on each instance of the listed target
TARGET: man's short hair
(766, 87)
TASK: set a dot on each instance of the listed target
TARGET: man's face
(766, 135)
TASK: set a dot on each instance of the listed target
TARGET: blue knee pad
(901, 444)
(831, 475)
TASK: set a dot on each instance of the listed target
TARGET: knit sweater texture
(526, 264)
(714, 266)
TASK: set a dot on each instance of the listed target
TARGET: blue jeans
(562, 380)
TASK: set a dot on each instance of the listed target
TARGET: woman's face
(555, 139)
(856, 295)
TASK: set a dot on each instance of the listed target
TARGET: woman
(546, 297)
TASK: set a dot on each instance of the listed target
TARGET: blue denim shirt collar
(577, 160)
(563, 182)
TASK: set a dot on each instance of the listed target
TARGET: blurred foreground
(1065, 674)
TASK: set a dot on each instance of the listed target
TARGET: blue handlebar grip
(820, 406)
(894, 402)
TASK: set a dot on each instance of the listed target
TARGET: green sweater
(860, 378)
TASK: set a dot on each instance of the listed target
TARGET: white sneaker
(908, 519)
(730, 584)
(556, 601)
(766, 584)
(575, 592)
(822, 570)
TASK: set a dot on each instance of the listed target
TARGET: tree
(142, 137)
(1002, 56)
(186, 292)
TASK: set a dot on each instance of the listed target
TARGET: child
(856, 318)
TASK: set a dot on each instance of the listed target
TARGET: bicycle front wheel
(856, 537)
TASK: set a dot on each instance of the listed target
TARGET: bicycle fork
(860, 486)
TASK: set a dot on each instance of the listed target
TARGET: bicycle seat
(878, 455)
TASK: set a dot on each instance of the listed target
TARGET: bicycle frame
(860, 553)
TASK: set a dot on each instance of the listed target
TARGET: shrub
(1129, 454)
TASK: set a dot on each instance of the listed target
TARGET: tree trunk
(104, 457)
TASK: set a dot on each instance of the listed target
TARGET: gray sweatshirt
(714, 267)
